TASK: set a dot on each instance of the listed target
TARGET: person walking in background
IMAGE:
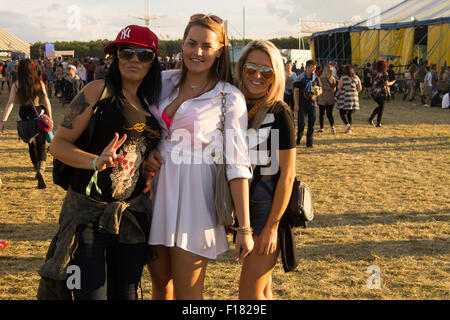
(29, 88)
(307, 87)
(347, 94)
(428, 87)
(420, 78)
(71, 85)
(260, 74)
(100, 71)
(443, 83)
(326, 99)
(59, 76)
(380, 92)
(367, 81)
(91, 70)
(82, 73)
(288, 91)
(411, 83)
(391, 78)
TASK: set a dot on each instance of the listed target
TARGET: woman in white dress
(184, 229)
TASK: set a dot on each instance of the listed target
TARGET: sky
(84, 20)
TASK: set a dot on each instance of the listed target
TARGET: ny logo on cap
(125, 33)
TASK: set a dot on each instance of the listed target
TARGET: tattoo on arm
(76, 107)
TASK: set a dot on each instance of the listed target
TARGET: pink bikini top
(166, 120)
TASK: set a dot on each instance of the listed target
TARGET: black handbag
(300, 209)
(28, 130)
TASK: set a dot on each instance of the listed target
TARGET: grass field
(381, 198)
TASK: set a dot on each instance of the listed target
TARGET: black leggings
(37, 148)
(329, 109)
(109, 269)
(378, 110)
(347, 116)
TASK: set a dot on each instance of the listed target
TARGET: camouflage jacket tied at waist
(77, 209)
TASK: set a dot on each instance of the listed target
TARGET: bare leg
(255, 282)
(162, 280)
(188, 272)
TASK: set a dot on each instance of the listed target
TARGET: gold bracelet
(244, 230)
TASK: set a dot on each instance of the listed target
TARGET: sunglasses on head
(212, 17)
(251, 68)
(143, 54)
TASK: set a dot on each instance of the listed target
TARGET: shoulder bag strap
(222, 124)
(95, 114)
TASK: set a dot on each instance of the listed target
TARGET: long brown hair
(347, 70)
(29, 83)
(221, 69)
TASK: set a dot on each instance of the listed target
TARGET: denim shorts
(261, 204)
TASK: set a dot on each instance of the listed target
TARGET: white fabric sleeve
(236, 147)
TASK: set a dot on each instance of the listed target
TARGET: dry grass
(381, 198)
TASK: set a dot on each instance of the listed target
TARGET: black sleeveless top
(124, 181)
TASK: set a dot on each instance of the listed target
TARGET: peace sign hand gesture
(109, 158)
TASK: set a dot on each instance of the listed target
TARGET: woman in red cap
(104, 225)
(184, 228)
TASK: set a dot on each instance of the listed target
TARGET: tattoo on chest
(76, 107)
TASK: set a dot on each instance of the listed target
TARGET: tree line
(166, 47)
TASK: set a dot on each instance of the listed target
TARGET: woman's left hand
(268, 241)
(149, 186)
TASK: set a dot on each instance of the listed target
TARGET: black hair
(150, 88)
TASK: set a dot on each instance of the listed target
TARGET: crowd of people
(330, 83)
(130, 203)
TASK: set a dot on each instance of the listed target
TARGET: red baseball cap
(134, 34)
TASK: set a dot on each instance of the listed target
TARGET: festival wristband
(94, 180)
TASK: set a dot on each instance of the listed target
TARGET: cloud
(333, 11)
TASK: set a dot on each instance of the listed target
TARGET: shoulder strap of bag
(34, 108)
(222, 124)
(96, 113)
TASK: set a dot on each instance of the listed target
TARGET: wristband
(95, 164)
(94, 180)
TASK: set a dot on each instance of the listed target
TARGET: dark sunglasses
(212, 17)
(143, 54)
(251, 68)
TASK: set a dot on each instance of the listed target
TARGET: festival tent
(412, 28)
(13, 46)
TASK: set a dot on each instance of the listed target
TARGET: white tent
(413, 10)
(12, 44)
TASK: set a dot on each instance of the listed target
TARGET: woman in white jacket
(184, 228)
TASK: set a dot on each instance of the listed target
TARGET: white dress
(183, 201)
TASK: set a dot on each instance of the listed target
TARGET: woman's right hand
(109, 158)
(244, 245)
(152, 163)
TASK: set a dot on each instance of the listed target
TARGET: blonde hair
(327, 71)
(276, 90)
